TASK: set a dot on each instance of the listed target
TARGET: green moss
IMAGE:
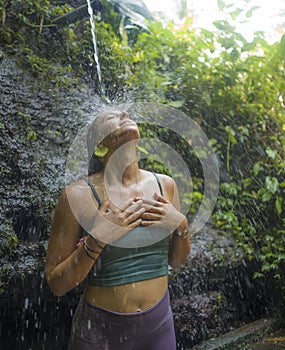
(9, 240)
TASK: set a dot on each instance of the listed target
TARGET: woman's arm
(67, 264)
(179, 249)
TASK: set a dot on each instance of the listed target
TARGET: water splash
(93, 32)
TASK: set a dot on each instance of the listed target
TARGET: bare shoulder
(167, 182)
(72, 193)
(75, 189)
(170, 189)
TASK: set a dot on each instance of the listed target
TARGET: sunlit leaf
(236, 13)
(271, 153)
(256, 168)
(221, 5)
(142, 149)
(278, 205)
(240, 37)
(200, 153)
(231, 134)
(176, 104)
(220, 25)
(264, 195)
(271, 184)
(227, 43)
(250, 12)
(249, 46)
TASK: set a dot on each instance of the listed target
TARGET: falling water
(93, 32)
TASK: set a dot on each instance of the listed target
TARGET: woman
(132, 230)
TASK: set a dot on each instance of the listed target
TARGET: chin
(131, 132)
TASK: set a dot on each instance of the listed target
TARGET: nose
(124, 115)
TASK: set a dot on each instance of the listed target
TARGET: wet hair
(93, 139)
(95, 164)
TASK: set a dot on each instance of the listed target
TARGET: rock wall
(37, 124)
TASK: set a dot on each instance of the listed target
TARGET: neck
(121, 166)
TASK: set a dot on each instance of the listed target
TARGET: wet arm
(179, 248)
(67, 265)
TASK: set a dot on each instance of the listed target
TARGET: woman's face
(115, 128)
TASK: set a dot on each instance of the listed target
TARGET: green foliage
(238, 92)
(9, 241)
(26, 27)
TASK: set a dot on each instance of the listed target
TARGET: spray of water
(93, 32)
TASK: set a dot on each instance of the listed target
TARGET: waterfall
(93, 32)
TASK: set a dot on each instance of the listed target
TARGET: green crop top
(117, 265)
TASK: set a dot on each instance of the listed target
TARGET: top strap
(158, 182)
(94, 192)
(98, 198)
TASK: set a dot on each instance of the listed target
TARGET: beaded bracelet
(80, 241)
(87, 253)
(97, 242)
(180, 234)
(87, 247)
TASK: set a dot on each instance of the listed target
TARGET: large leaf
(135, 10)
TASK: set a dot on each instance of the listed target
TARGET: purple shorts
(96, 328)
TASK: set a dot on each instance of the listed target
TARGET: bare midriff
(127, 298)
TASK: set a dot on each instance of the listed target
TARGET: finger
(157, 210)
(148, 203)
(112, 206)
(151, 216)
(161, 199)
(134, 216)
(128, 203)
(134, 224)
(149, 223)
(134, 206)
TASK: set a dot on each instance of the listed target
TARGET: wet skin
(68, 265)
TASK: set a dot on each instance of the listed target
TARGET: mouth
(128, 121)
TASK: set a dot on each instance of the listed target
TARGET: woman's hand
(112, 222)
(161, 212)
